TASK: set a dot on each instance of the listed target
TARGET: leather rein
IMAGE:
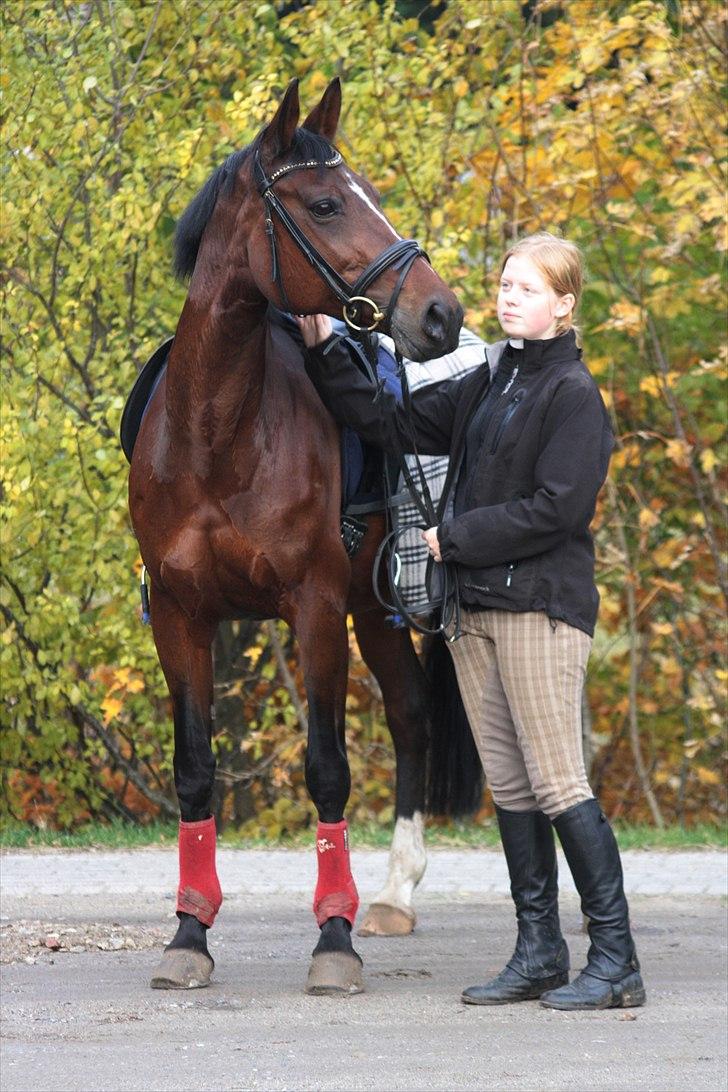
(400, 255)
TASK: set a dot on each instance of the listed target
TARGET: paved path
(84, 1019)
(277, 872)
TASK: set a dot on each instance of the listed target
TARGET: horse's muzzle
(442, 326)
(431, 334)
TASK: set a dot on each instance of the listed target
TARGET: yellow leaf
(707, 777)
(670, 666)
(662, 629)
(599, 364)
(648, 519)
(624, 315)
(651, 385)
(679, 452)
(664, 556)
(460, 88)
(121, 678)
(111, 707)
(708, 460)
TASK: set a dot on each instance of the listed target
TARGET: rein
(400, 255)
(446, 601)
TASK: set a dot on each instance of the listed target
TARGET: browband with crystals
(335, 161)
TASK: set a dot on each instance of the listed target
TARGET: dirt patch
(27, 941)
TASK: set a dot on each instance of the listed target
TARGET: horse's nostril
(436, 321)
(442, 325)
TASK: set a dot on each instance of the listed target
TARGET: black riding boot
(611, 978)
(541, 959)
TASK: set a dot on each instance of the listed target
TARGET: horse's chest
(220, 570)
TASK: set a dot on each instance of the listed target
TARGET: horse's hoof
(334, 974)
(182, 969)
(387, 921)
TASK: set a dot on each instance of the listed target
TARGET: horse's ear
(324, 118)
(278, 135)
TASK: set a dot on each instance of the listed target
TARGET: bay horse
(234, 494)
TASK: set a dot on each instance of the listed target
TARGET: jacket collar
(541, 354)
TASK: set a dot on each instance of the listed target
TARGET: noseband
(399, 255)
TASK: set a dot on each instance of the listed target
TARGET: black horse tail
(455, 779)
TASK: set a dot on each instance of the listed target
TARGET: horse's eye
(324, 209)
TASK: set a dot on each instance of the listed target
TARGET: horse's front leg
(390, 655)
(185, 653)
(320, 625)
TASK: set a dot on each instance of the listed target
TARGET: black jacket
(522, 507)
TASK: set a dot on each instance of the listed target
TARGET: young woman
(530, 441)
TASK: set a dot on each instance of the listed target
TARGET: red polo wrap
(199, 890)
(336, 895)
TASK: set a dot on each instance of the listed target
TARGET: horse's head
(310, 233)
(339, 214)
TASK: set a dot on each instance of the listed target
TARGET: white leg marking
(407, 860)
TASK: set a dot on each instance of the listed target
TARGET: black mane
(194, 220)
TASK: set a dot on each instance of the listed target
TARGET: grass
(363, 836)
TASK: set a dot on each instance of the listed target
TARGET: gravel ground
(25, 941)
(77, 1020)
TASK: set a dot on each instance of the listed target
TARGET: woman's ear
(565, 305)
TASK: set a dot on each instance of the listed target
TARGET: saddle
(140, 396)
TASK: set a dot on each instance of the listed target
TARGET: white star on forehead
(369, 203)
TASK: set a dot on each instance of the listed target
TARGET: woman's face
(527, 306)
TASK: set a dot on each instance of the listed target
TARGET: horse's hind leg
(390, 655)
(185, 653)
(321, 630)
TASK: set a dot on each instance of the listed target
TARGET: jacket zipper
(509, 569)
(512, 407)
(455, 463)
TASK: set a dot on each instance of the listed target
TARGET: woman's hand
(430, 537)
(314, 328)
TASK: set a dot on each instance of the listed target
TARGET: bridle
(399, 255)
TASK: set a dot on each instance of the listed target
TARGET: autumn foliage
(479, 120)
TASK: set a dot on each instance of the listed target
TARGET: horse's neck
(216, 371)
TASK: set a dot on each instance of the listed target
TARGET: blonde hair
(562, 266)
